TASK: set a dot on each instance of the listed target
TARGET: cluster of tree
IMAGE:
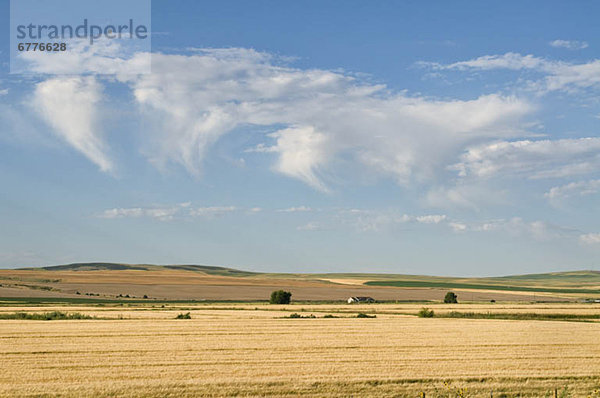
(280, 297)
(451, 298)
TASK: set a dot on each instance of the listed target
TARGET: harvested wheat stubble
(230, 351)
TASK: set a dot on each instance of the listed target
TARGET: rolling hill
(204, 282)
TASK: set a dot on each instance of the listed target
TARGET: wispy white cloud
(122, 212)
(70, 106)
(470, 195)
(516, 227)
(577, 188)
(157, 213)
(431, 219)
(513, 61)
(295, 209)
(104, 57)
(531, 159)
(211, 211)
(302, 151)
(317, 116)
(168, 213)
(458, 226)
(3, 91)
(556, 75)
(310, 226)
(569, 44)
(376, 220)
(590, 239)
(196, 99)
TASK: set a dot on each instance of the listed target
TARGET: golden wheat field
(252, 350)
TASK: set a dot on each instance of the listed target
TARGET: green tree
(280, 297)
(450, 298)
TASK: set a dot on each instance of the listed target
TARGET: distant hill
(207, 269)
(204, 281)
(573, 276)
(552, 282)
(573, 279)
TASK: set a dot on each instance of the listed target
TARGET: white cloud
(363, 220)
(563, 76)
(104, 57)
(3, 91)
(569, 44)
(517, 227)
(376, 220)
(301, 152)
(70, 106)
(157, 213)
(321, 119)
(513, 61)
(578, 188)
(311, 226)
(212, 211)
(531, 159)
(167, 213)
(569, 77)
(471, 195)
(430, 219)
(590, 239)
(295, 209)
(458, 226)
(194, 100)
(317, 116)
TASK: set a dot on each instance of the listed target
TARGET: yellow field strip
(256, 353)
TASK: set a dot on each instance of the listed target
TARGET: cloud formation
(158, 213)
(531, 159)
(590, 239)
(70, 106)
(569, 44)
(295, 209)
(577, 188)
(556, 75)
(319, 119)
(168, 213)
(196, 99)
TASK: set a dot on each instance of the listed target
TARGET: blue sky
(411, 137)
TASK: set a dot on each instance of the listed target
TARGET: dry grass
(243, 350)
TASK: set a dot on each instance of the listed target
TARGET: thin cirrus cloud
(194, 100)
(573, 189)
(69, 105)
(212, 211)
(517, 227)
(169, 213)
(556, 75)
(569, 44)
(531, 159)
(201, 97)
(295, 209)
(368, 220)
(191, 101)
(590, 239)
(379, 220)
